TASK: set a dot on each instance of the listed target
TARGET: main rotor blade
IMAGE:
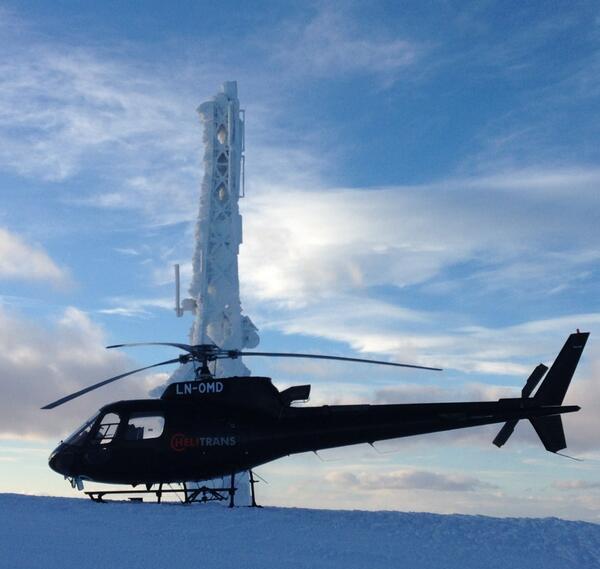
(105, 382)
(184, 347)
(319, 357)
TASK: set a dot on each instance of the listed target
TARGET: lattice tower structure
(215, 282)
(215, 288)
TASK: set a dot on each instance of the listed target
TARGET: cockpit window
(144, 426)
(79, 436)
(107, 429)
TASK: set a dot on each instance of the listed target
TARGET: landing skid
(201, 495)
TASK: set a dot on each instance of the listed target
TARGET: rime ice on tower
(215, 283)
(215, 287)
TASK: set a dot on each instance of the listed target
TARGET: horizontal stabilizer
(533, 380)
(551, 432)
(507, 430)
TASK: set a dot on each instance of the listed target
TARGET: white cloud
(41, 364)
(335, 240)
(136, 307)
(128, 251)
(384, 486)
(332, 44)
(67, 109)
(509, 351)
(327, 249)
(407, 479)
(582, 428)
(22, 261)
(549, 183)
(576, 485)
(414, 393)
(58, 103)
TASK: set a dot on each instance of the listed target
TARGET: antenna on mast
(188, 304)
(178, 310)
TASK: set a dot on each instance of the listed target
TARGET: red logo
(180, 442)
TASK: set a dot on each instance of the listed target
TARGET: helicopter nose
(62, 460)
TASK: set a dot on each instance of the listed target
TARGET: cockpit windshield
(79, 436)
(107, 429)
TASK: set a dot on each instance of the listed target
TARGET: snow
(64, 532)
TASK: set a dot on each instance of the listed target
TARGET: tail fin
(554, 387)
(552, 392)
(551, 432)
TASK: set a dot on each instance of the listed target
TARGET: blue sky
(422, 184)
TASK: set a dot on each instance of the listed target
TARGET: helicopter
(210, 427)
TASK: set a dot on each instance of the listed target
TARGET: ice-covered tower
(215, 285)
(215, 288)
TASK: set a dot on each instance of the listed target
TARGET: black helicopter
(214, 427)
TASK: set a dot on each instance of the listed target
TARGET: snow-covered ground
(73, 533)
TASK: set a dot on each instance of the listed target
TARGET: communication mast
(215, 288)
